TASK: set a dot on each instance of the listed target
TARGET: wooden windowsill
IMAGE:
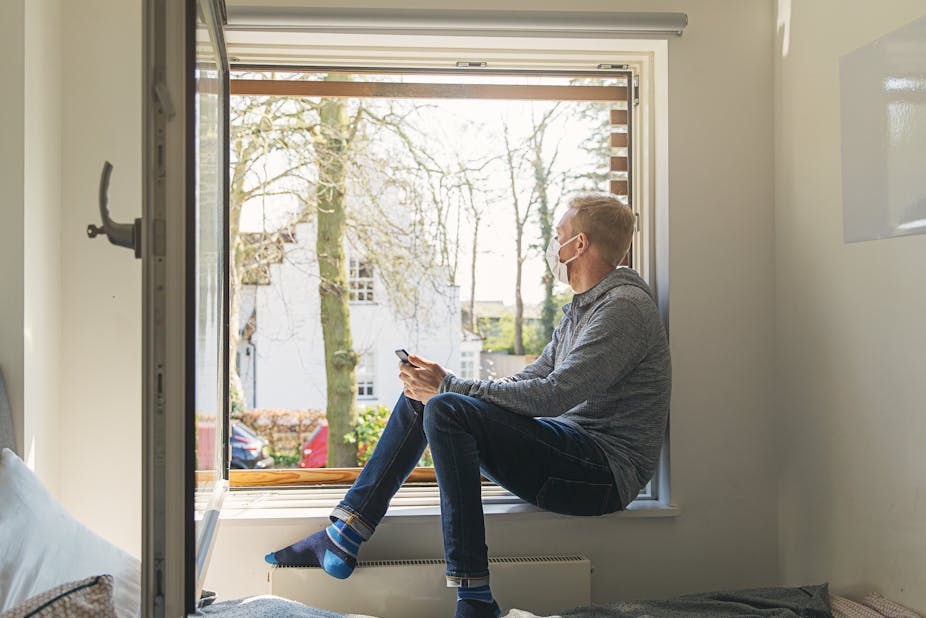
(301, 477)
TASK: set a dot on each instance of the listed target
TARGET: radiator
(542, 585)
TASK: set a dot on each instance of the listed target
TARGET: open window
(207, 326)
(185, 273)
(377, 210)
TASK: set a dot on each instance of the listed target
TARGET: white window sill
(307, 504)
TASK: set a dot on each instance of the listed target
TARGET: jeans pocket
(576, 497)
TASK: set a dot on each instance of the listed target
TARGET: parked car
(315, 449)
(248, 450)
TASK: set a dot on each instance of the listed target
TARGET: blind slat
(619, 164)
(619, 187)
(618, 116)
(619, 140)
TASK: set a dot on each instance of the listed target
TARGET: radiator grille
(417, 588)
(435, 561)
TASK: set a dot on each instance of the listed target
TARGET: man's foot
(334, 549)
(471, 608)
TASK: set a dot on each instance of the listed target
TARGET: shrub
(287, 459)
(371, 421)
(284, 430)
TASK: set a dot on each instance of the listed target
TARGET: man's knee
(442, 409)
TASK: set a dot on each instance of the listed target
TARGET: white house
(282, 365)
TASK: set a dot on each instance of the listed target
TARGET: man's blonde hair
(606, 221)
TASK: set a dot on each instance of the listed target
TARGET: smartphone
(403, 356)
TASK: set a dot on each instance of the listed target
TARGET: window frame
(649, 199)
(357, 285)
(368, 362)
(472, 374)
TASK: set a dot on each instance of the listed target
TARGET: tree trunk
(340, 358)
(518, 301)
(548, 308)
(236, 403)
(519, 244)
(472, 278)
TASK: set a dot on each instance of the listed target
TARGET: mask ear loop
(577, 250)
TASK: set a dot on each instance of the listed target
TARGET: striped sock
(476, 593)
(334, 549)
(476, 602)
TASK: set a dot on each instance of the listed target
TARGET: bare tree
(348, 164)
(543, 178)
(515, 160)
(260, 128)
(340, 358)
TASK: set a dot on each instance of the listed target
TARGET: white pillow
(44, 547)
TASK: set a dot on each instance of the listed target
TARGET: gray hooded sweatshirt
(606, 373)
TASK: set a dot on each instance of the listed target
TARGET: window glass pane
(375, 224)
(208, 236)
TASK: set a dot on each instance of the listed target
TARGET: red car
(315, 449)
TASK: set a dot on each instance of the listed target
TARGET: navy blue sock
(334, 549)
(476, 602)
(471, 608)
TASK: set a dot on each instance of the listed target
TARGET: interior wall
(42, 197)
(849, 334)
(100, 419)
(723, 462)
(721, 243)
(12, 179)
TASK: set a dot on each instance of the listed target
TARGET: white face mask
(559, 270)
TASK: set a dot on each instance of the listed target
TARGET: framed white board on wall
(883, 126)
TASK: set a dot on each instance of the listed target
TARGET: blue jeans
(540, 460)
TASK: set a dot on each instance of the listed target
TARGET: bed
(797, 602)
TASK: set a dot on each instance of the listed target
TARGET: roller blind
(448, 22)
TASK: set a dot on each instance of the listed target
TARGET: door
(185, 296)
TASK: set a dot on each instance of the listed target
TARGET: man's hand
(423, 380)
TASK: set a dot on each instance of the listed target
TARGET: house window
(366, 377)
(360, 281)
(468, 365)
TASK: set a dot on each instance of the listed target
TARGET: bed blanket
(269, 605)
(803, 602)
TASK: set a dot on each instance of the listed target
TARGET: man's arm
(610, 346)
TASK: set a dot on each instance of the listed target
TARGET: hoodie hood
(618, 277)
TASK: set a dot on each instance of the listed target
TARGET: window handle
(126, 235)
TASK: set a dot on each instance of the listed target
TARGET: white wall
(849, 332)
(847, 337)
(100, 419)
(724, 464)
(12, 179)
(30, 261)
(42, 197)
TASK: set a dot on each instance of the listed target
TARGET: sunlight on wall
(30, 454)
(784, 26)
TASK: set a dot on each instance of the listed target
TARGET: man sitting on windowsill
(578, 431)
